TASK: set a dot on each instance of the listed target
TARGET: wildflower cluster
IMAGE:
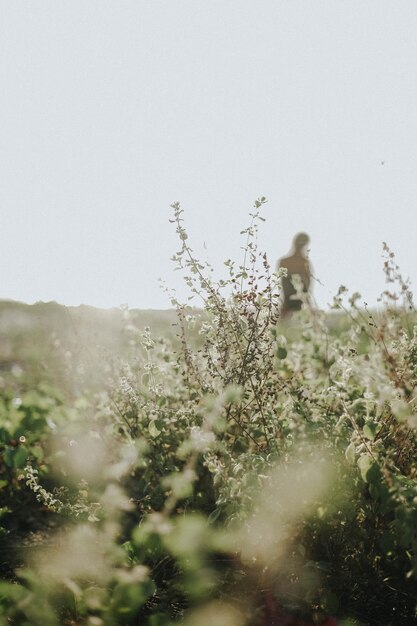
(242, 470)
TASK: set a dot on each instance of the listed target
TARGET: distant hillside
(46, 340)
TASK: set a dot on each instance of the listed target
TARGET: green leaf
(153, 429)
(281, 352)
(364, 464)
(330, 603)
(145, 379)
(369, 469)
(257, 433)
(214, 515)
(387, 542)
(20, 457)
(371, 429)
(350, 454)
(4, 435)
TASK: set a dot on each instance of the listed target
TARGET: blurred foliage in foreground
(229, 470)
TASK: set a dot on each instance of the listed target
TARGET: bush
(238, 473)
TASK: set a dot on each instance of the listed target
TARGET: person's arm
(309, 276)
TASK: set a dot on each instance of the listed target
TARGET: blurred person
(297, 264)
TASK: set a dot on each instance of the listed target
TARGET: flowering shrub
(242, 471)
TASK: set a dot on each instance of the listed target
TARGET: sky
(111, 110)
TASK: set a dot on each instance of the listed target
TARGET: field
(211, 465)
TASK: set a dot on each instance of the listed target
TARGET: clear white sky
(110, 110)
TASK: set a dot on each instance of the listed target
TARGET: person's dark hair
(301, 240)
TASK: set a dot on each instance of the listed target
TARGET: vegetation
(232, 470)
